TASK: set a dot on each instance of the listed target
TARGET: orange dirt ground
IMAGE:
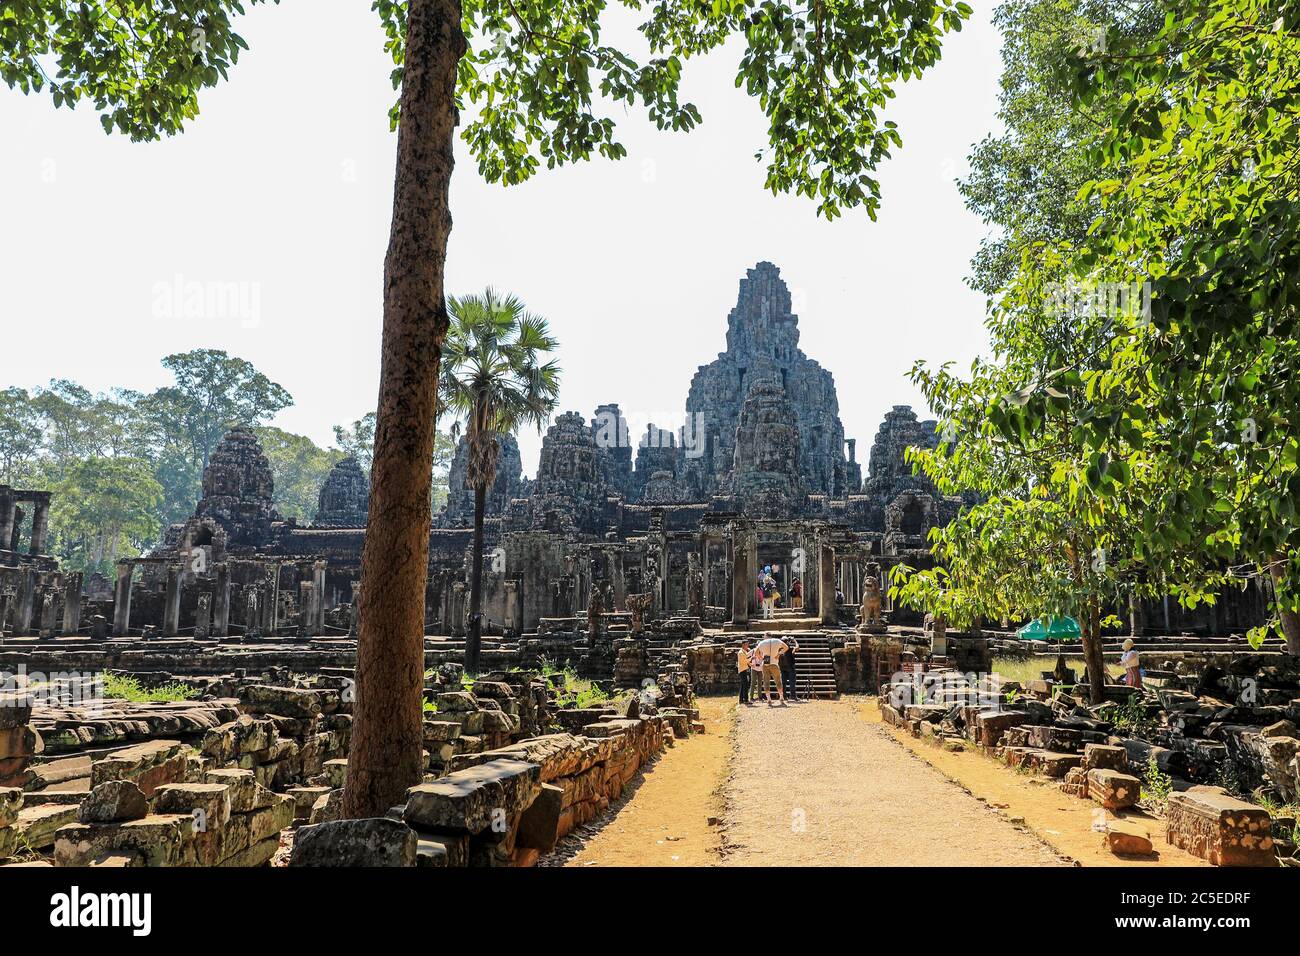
(1060, 820)
(665, 819)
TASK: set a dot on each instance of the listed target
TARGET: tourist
(743, 667)
(796, 594)
(756, 681)
(788, 676)
(767, 591)
(1132, 664)
(770, 650)
(759, 600)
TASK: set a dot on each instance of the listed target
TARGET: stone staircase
(814, 669)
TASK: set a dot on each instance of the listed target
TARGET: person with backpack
(743, 666)
(789, 676)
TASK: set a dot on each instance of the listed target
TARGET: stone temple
(761, 473)
(631, 558)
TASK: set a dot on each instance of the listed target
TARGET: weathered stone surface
(469, 800)
(148, 765)
(1128, 838)
(1104, 757)
(242, 785)
(1114, 790)
(113, 801)
(1210, 823)
(539, 826)
(989, 725)
(11, 801)
(15, 710)
(375, 841)
(284, 701)
(159, 839)
(36, 826)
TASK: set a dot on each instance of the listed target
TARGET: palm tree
(492, 377)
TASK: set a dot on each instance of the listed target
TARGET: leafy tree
(358, 439)
(183, 422)
(298, 467)
(1025, 180)
(20, 436)
(494, 379)
(1195, 192)
(822, 76)
(103, 509)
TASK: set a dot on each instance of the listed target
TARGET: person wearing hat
(1132, 664)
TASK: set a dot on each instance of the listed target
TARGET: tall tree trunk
(386, 738)
(1091, 631)
(1290, 619)
(1089, 627)
(474, 633)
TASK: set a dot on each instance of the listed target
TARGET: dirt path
(814, 783)
(663, 819)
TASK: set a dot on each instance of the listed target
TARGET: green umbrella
(1057, 629)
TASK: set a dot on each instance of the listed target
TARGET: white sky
(284, 185)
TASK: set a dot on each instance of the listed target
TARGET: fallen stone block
(1104, 757)
(149, 765)
(374, 841)
(244, 791)
(304, 798)
(991, 724)
(36, 826)
(1210, 823)
(472, 800)
(11, 801)
(283, 701)
(114, 801)
(1114, 790)
(20, 742)
(159, 839)
(1128, 838)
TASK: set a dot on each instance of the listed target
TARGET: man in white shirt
(771, 649)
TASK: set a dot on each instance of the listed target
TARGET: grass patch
(1022, 669)
(129, 688)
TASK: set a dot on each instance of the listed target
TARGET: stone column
(17, 529)
(49, 612)
(7, 508)
(71, 602)
(620, 583)
(742, 583)
(172, 603)
(458, 609)
(354, 619)
(306, 607)
(122, 599)
(40, 518)
(318, 585)
(826, 583)
(26, 602)
(251, 610)
(272, 612)
(203, 616)
(513, 618)
(221, 602)
(6, 604)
